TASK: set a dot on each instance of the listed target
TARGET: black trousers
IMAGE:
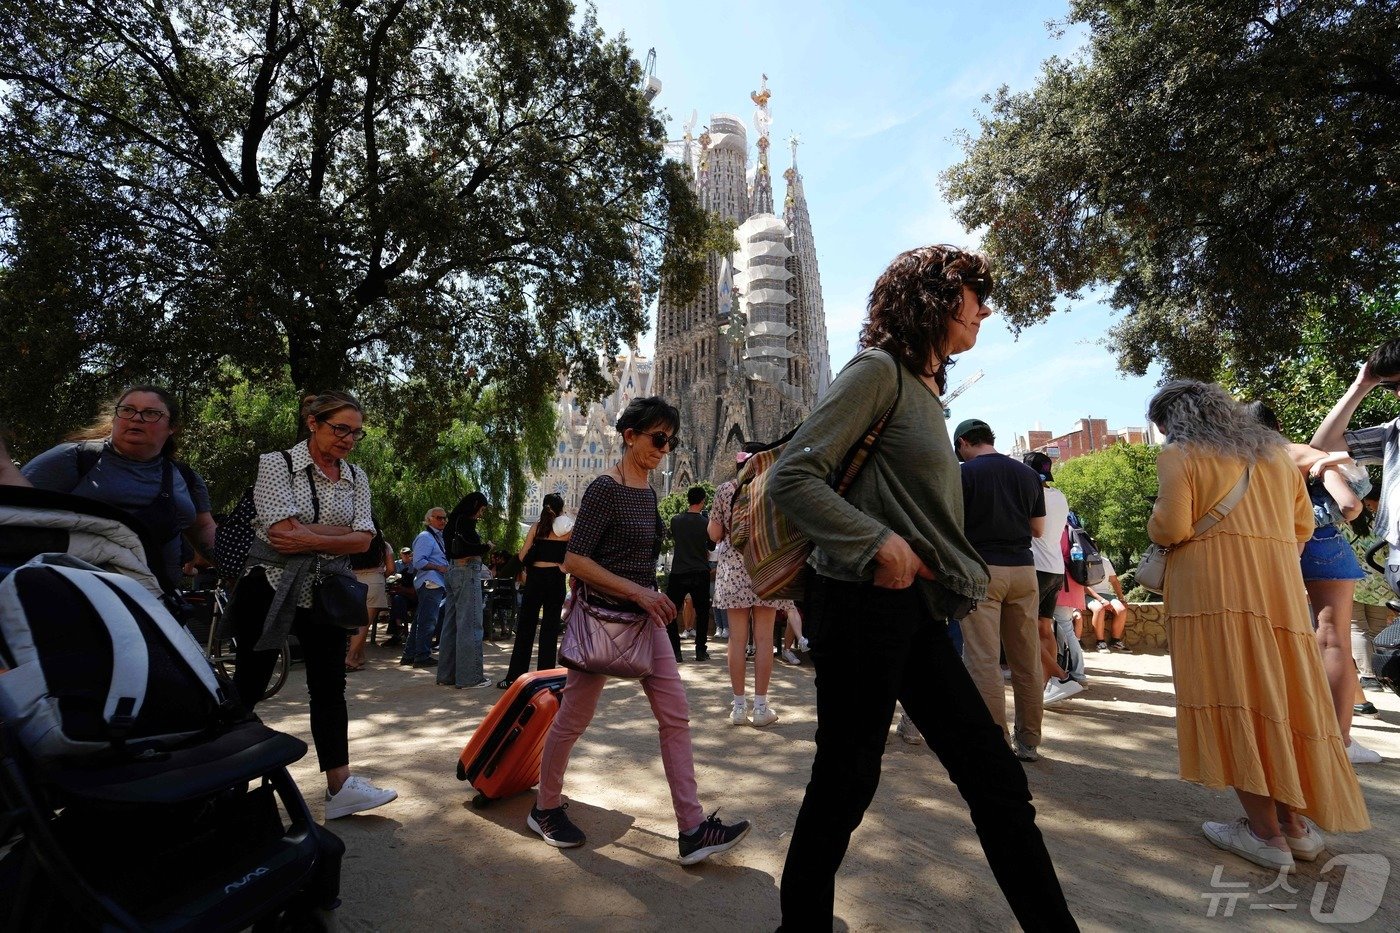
(697, 586)
(323, 651)
(544, 588)
(871, 647)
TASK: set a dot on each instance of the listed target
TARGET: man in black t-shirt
(1003, 508)
(690, 570)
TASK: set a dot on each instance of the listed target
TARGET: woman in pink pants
(616, 540)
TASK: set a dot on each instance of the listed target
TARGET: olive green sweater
(912, 486)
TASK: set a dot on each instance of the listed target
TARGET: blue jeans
(459, 648)
(419, 645)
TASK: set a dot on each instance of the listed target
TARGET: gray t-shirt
(127, 484)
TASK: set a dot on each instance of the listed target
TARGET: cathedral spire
(762, 194)
(812, 327)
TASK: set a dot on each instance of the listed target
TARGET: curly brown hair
(913, 299)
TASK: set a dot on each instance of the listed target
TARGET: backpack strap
(130, 659)
(870, 442)
(88, 454)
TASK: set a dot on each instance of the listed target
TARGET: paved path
(1124, 832)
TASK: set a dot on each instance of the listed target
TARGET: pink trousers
(668, 704)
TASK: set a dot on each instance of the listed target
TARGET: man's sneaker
(1116, 644)
(1372, 684)
(1024, 752)
(483, 682)
(748, 652)
(1057, 690)
(763, 716)
(1006, 673)
(1365, 709)
(555, 827)
(1359, 754)
(711, 838)
(1100, 645)
(355, 796)
(787, 657)
(737, 714)
(701, 654)
(1237, 837)
(688, 634)
(427, 662)
(907, 731)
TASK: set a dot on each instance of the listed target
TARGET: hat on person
(970, 424)
(1041, 463)
(405, 550)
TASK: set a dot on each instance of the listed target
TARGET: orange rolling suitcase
(503, 756)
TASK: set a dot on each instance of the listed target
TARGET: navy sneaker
(711, 838)
(555, 827)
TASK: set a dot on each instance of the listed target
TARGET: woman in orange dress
(1252, 706)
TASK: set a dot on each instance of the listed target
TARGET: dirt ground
(1123, 830)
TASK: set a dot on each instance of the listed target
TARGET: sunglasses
(661, 439)
(344, 430)
(143, 415)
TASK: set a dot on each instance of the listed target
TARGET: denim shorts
(1328, 556)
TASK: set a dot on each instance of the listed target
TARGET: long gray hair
(1204, 417)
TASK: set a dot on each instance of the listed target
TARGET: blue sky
(877, 91)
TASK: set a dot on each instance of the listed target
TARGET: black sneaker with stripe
(712, 837)
(555, 827)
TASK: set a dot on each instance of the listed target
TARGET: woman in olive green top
(892, 568)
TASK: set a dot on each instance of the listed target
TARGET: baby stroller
(210, 833)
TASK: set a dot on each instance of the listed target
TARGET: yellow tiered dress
(1253, 711)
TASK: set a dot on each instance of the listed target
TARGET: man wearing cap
(1003, 510)
(403, 600)
(1050, 574)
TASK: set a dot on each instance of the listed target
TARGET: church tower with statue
(747, 358)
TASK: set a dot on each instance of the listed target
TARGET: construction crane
(651, 85)
(966, 384)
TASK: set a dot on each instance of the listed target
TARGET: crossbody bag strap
(1222, 508)
(865, 448)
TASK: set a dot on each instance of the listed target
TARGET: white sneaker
(803, 646)
(907, 731)
(1057, 690)
(737, 715)
(1235, 837)
(1006, 673)
(356, 795)
(763, 716)
(1359, 754)
(1309, 846)
(787, 657)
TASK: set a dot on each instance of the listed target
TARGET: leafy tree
(484, 447)
(422, 200)
(1112, 491)
(1217, 165)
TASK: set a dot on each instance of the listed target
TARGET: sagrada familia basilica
(747, 358)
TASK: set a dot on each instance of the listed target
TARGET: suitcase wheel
(480, 801)
(461, 771)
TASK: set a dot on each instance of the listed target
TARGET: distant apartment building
(1088, 435)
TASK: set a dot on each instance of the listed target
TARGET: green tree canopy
(422, 200)
(1112, 492)
(1216, 165)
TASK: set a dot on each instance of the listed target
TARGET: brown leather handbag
(601, 640)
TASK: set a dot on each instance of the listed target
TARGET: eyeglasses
(438, 518)
(143, 415)
(662, 440)
(344, 430)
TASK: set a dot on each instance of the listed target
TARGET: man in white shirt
(1050, 575)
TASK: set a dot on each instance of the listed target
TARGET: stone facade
(747, 358)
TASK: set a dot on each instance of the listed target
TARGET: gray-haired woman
(313, 511)
(1252, 708)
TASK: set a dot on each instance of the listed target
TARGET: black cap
(1041, 463)
(970, 424)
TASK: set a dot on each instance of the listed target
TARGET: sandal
(354, 668)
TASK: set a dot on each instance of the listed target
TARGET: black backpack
(1088, 570)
